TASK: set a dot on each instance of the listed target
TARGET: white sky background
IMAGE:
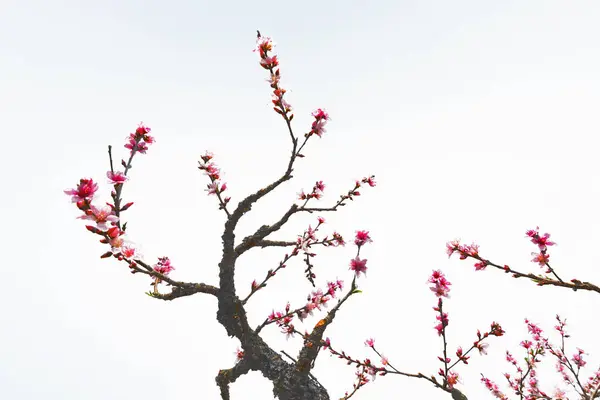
(479, 120)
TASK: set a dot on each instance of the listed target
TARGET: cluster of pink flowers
(362, 238)
(525, 382)
(440, 285)
(357, 264)
(163, 266)
(139, 140)
(264, 45)
(84, 192)
(542, 241)
(316, 193)
(316, 300)
(465, 251)
(107, 217)
(318, 126)
(215, 186)
(493, 388)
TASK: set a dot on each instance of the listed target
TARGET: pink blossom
(370, 342)
(542, 241)
(338, 240)
(452, 379)
(578, 358)
(85, 190)
(443, 318)
(362, 237)
(370, 181)
(128, 251)
(496, 330)
(526, 344)
(139, 141)
(333, 286)
(102, 216)
(207, 156)
(116, 178)
(212, 188)
(163, 266)
(264, 44)
(540, 258)
(463, 250)
(482, 347)
(358, 266)
(269, 62)
(559, 394)
(142, 130)
(321, 220)
(493, 388)
(318, 125)
(441, 286)
(319, 113)
(212, 171)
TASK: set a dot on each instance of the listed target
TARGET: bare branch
(187, 289)
(228, 376)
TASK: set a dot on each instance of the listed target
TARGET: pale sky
(478, 118)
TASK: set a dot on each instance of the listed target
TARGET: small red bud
(126, 206)
(93, 229)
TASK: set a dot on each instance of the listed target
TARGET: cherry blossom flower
(337, 240)
(362, 237)
(370, 181)
(358, 266)
(452, 379)
(139, 141)
(264, 44)
(163, 266)
(542, 241)
(370, 342)
(578, 358)
(116, 178)
(443, 318)
(441, 286)
(85, 190)
(101, 215)
(540, 258)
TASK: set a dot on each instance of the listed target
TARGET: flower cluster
(83, 193)
(138, 141)
(466, 251)
(542, 241)
(318, 126)
(440, 285)
(357, 264)
(264, 45)
(316, 193)
(163, 266)
(215, 186)
(362, 238)
(315, 301)
(525, 383)
(107, 218)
